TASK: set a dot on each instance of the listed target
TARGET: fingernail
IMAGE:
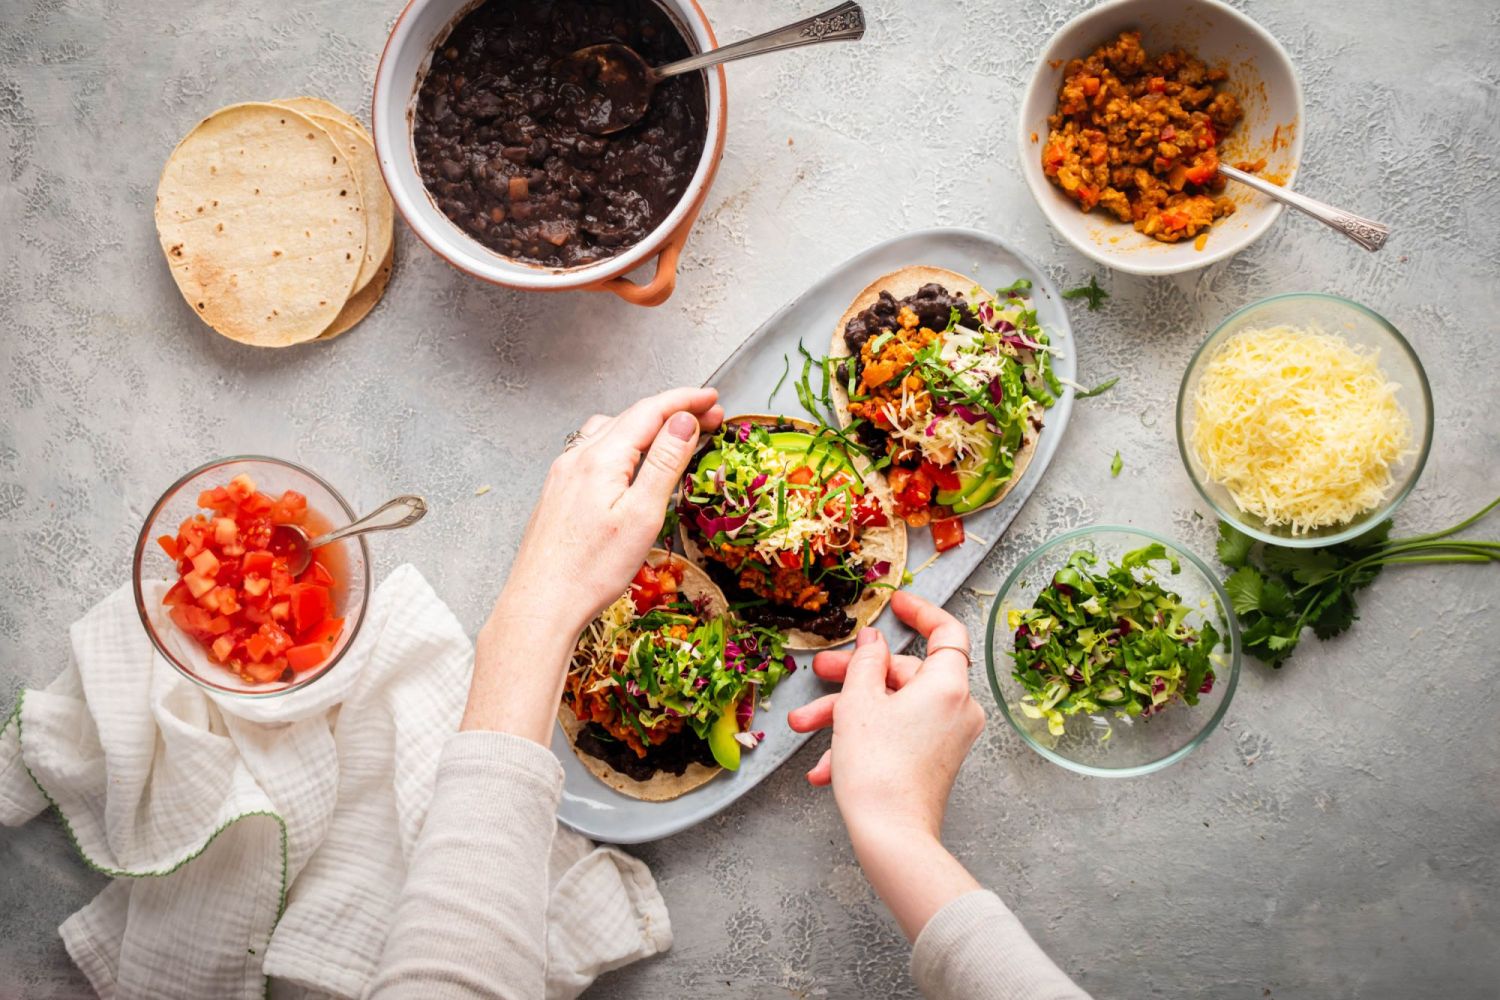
(867, 636)
(682, 426)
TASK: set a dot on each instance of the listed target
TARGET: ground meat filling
(500, 151)
(672, 756)
(913, 322)
(822, 614)
(1139, 137)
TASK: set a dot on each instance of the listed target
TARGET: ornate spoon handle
(397, 513)
(1366, 232)
(846, 22)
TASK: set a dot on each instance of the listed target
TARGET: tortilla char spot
(343, 192)
(219, 228)
(215, 203)
(200, 305)
(275, 253)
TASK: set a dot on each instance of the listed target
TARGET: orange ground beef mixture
(1139, 136)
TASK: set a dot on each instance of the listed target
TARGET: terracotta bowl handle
(664, 282)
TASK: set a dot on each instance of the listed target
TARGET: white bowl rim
(467, 254)
(1045, 195)
(1232, 633)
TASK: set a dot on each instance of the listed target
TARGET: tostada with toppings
(946, 389)
(800, 535)
(663, 684)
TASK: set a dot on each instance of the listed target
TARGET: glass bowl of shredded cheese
(1304, 419)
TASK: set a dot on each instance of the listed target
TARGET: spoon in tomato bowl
(291, 542)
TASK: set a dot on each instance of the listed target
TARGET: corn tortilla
(887, 543)
(258, 212)
(663, 785)
(901, 284)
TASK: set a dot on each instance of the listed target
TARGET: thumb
(665, 462)
(868, 665)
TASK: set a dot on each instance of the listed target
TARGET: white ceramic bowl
(403, 64)
(1260, 75)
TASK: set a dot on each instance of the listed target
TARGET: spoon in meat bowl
(1366, 232)
(290, 541)
(609, 86)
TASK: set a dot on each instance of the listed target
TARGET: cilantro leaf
(1304, 565)
(1276, 600)
(1234, 545)
(1244, 588)
(1090, 292)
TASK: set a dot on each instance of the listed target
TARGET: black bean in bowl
(503, 158)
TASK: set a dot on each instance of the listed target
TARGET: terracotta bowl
(407, 56)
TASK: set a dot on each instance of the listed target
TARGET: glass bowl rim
(1232, 623)
(1234, 517)
(143, 540)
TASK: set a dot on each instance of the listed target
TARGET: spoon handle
(1366, 232)
(397, 513)
(846, 22)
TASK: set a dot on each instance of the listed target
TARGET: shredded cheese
(1300, 426)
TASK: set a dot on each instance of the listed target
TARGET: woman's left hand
(600, 511)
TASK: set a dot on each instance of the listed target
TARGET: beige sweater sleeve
(976, 949)
(472, 918)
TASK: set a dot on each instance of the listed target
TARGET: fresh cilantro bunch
(1285, 590)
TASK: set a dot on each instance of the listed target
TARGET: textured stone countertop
(1336, 837)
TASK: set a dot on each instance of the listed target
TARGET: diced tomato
(197, 584)
(316, 573)
(206, 564)
(258, 562)
(869, 514)
(800, 476)
(264, 673)
(944, 477)
(1173, 219)
(238, 599)
(328, 632)
(308, 655)
(177, 594)
(947, 533)
(917, 491)
(192, 619)
(310, 605)
(290, 509)
(789, 560)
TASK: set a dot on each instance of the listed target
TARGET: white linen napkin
(252, 838)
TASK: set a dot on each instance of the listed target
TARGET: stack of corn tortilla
(276, 222)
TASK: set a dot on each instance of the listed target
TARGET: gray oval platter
(745, 382)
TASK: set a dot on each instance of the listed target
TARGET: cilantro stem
(1460, 526)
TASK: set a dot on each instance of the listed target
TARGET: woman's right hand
(901, 726)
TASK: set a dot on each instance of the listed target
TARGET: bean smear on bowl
(234, 593)
(498, 142)
(1113, 641)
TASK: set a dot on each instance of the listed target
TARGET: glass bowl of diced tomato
(216, 593)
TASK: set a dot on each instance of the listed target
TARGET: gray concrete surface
(1335, 838)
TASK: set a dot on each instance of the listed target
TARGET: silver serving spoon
(290, 541)
(1366, 232)
(609, 86)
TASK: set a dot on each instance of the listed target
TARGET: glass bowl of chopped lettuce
(1113, 651)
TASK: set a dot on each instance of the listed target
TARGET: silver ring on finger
(968, 662)
(573, 440)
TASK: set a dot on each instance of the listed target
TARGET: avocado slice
(721, 741)
(821, 454)
(981, 476)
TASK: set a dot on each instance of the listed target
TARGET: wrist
(881, 836)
